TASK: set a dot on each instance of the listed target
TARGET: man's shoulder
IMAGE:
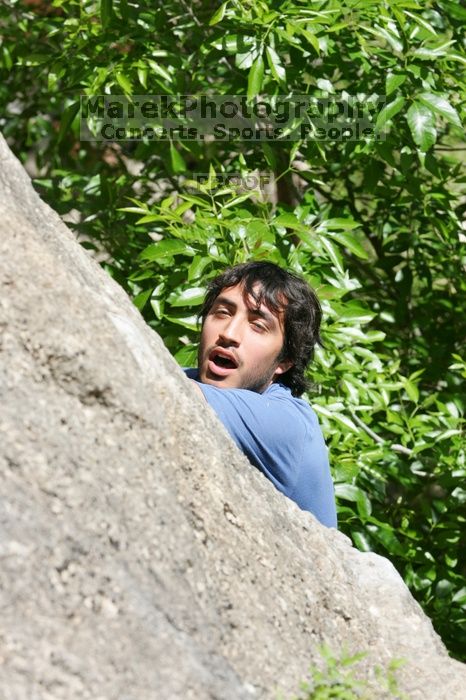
(294, 411)
(275, 408)
(283, 393)
(276, 390)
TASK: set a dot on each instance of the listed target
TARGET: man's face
(240, 343)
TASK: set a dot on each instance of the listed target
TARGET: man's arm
(281, 436)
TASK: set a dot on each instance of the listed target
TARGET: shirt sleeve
(281, 436)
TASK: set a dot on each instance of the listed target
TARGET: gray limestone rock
(141, 556)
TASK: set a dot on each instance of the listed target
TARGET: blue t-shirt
(280, 435)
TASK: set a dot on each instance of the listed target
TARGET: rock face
(142, 557)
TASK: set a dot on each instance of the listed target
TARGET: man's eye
(221, 312)
(259, 326)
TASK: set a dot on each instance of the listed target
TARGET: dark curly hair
(279, 290)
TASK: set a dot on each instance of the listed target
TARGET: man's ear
(283, 367)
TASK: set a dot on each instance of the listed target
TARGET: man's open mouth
(221, 362)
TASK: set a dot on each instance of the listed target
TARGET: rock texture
(142, 557)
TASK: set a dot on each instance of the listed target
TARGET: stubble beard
(253, 381)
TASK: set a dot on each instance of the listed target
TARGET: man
(259, 328)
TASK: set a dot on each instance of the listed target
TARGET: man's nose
(231, 332)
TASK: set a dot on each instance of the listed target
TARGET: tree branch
(394, 446)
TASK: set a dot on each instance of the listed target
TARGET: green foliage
(337, 679)
(373, 225)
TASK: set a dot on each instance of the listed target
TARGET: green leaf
(427, 53)
(235, 43)
(340, 223)
(197, 266)
(386, 535)
(460, 596)
(361, 541)
(182, 208)
(440, 105)
(124, 82)
(375, 336)
(189, 322)
(393, 82)
(270, 156)
(351, 242)
(452, 56)
(448, 434)
(348, 492)
(142, 298)
(194, 296)
(391, 37)
(245, 60)
(7, 60)
(333, 254)
(201, 203)
(364, 505)
(421, 22)
(219, 15)
(412, 390)
(160, 70)
(454, 9)
(389, 111)
(255, 78)
(157, 300)
(344, 420)
(177, 160)
(149, 218)
(187, 356)
(325, 85)
(165, 249)
(67, 119)
(421, 123)
(142, 75)
(236, 200)
(351, 311)
(276, 67)
(289, 220)
(311, 38)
